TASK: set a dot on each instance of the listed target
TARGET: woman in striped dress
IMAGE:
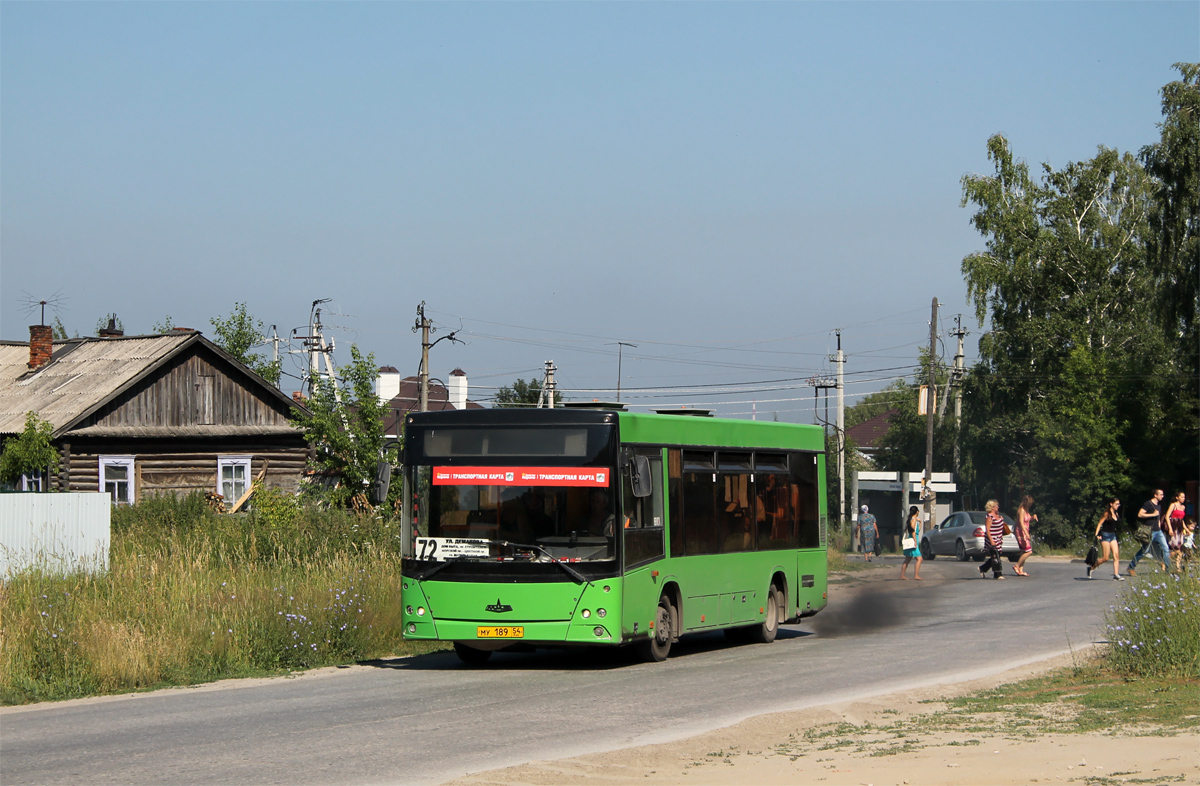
(993, 540)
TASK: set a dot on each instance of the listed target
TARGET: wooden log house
(143, 415)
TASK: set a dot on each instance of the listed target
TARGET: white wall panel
(57, 532)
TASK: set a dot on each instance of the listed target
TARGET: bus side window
(675, 494)
(804, 485)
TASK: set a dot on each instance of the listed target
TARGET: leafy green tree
(874, 404)
(344, 425)
(902, 448)
(523, 394)
(1173, 244)
(238, 334)
(30, 452)
(58, 330)
(1066, 365)
(165, 326)
(1173, 251)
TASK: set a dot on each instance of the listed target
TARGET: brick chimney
(41, 344)
(112, 331)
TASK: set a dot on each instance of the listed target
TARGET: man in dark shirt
(1157, 547)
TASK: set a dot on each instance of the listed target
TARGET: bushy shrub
(1154, 626)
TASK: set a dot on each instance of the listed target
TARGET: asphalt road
(427, 719)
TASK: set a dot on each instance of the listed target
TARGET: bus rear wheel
(658, 646)
(471, 656)
(769, 629)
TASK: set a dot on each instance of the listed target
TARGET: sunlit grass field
(192, 596)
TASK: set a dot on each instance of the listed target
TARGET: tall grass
(1154, 626)
(192, 596)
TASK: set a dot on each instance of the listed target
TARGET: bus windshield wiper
(582, 579)
(440, 566)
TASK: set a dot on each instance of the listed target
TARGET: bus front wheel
(658, 646)
(766, 632)
(471, 656)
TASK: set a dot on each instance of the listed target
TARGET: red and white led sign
(521, 476)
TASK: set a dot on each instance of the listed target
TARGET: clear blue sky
(723, 184)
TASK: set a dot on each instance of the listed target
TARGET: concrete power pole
(546, 397)
(426, 327)
(959, 371)
(841, 436)
(931, 386)
(423, 325)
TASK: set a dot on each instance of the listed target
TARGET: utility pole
(957, 376)
(315, 347)
(546, 397)
(927, 490)
(620, 346)
(841, 435)
(426, 327)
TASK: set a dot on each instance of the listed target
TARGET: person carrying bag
(993, 540)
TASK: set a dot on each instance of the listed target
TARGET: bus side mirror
(639, 476)
(379, 487)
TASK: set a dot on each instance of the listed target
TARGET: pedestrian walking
(1157, 546)
(1106, 533)
(868, 530)
(1023, 533)
(993, 540)
(912, 543)
(1176, 530)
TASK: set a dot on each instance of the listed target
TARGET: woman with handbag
(993, 540)
(1106, 533)
(911, 543)
(1024, 538)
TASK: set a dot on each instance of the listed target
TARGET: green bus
(598, 526)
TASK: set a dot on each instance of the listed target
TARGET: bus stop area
(888, 496)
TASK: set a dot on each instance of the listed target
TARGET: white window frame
(234, 461)
(119, 461)
(32, 482)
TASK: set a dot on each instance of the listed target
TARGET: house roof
(409, 398)
(868, 433)
(84, 374)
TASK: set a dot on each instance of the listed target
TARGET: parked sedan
(961, 534)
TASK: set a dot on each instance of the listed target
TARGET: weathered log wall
(181, 468)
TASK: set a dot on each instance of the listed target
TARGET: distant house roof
(409, 400)
(868, 433)
(85, 374)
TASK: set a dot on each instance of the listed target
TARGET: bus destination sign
(521, 476)
(442, 549)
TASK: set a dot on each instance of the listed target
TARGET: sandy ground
(773, 749)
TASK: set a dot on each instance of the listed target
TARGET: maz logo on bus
(498, 607)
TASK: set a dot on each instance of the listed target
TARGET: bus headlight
(420, 611)
(408, 609)
(601, 613)
(585, 614)
(412, 627)
(599, 631)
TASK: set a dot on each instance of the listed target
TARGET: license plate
(499, 632)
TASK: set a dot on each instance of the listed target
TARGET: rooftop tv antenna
(31, 304)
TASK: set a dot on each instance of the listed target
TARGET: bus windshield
(565, 513)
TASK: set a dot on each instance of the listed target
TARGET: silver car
(961, 534)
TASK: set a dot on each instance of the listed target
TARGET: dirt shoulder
(856, 743)
(907, 737)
